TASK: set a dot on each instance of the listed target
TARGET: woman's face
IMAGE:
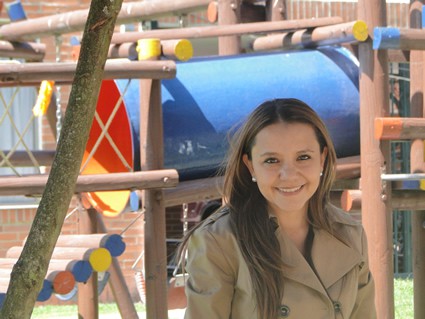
(286, 162)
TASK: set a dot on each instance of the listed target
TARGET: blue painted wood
(386, 38)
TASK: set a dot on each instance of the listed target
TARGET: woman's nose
(287, 170)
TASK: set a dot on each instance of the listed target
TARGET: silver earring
(254, 179)
(321, 174)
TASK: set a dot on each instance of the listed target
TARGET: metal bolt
(166, 180)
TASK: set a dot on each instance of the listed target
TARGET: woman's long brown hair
(249, 215)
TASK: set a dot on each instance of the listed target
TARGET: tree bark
(29, 271)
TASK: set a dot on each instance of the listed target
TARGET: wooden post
(229, 13)
(275, 10)
(88, 299)
(152, 157)
(418, 234)
(375, 160)
(417, 106)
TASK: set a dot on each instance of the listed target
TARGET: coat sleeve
(210, 286)
(364, 307)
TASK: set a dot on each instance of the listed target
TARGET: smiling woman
(277, 244)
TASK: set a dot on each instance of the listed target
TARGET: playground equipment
(74, 260)
(209, 97)
(376, 199)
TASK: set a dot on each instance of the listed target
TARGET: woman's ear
(248, 163)
(323, 157)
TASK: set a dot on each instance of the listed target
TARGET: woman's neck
(296, 228)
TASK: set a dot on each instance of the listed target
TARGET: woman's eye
(304, 157)
(271, 161)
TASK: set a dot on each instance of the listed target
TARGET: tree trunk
(29, 271)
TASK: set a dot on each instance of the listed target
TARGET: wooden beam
(398, 38)
(348, 168)
(399, 128)
(193, 191)
(349, 32)
(99, 258)
(34, 184)
(176, 49)
(23, 50)
(63, 72)
(228, 30)
(351, 199)
(75, 21)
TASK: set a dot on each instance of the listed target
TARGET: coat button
(337, 306)
(284, 311)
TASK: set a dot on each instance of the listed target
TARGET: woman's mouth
(289, 190)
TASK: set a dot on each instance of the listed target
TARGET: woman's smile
(292, 190)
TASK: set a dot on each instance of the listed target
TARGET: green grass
(403, 298)
(47, 312)
(403, 304)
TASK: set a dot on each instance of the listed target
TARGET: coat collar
(332, 258)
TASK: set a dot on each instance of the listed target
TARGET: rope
(142, 212)
(20, 136)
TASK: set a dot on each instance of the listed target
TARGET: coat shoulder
(350, 229)
(337, 215)
(217, 223)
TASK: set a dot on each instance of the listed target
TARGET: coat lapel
(296, 267)
(332, 258)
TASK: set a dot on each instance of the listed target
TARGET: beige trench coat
(219, 286)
